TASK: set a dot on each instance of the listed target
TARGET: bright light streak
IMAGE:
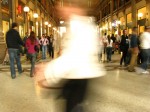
(79, 57)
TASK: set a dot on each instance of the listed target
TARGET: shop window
(5, 27)
(129, 18)
(130, 31)
(141, 29)
(142, 13)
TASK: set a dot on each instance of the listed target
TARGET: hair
(112, 35)
(108, 37)
(32, 37)
(124, 31)
(14, 25)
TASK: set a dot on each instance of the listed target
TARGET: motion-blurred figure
(78, 61)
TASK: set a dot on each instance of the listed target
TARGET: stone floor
(117, 91)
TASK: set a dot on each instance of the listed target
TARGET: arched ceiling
(91, 6)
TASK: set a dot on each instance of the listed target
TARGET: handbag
(36, 48)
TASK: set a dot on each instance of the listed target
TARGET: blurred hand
(39, 74)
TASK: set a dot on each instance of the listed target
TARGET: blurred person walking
(134, 49)
(145, 49)
(30, 44)
(13, 41)
(77, 62)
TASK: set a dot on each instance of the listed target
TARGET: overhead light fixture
(61, 22)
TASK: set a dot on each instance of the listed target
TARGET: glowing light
(140, 14)
(61, 22)
(35, 15)
(49, 25)
(26, 9)
(46, 23)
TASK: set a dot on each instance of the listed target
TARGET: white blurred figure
(77, 63)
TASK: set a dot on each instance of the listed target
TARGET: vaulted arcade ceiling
(91, 6)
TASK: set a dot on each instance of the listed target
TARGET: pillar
(2, 42)
(148, 12)
(134, 13)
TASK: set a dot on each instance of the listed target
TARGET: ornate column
(111, 14)
(1, 25)
(134, 13)
(148, 12)
(2, 42)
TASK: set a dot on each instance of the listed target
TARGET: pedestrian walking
(13, 41)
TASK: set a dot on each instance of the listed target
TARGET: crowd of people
(134, 49)
(30, 46)
(76, 63)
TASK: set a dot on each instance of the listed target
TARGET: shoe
(21, 72)
(13, 76)
(31, 75)
(131, 70)
(145, 72)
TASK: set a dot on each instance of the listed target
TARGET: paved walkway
(117, 91)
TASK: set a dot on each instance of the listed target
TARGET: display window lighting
(140, 14)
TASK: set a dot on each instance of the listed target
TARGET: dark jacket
(134, 41)
(124, 44)
(13, 39)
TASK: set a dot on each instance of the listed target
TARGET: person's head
(32, 37)
(124, 32)
(147, 29)
(14, 25)
(43, 35)
(32, 34)
(112, 35)
(26, 33)
(108, 36)
(134, 30)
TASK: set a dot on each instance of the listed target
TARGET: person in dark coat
(124, 45)
(14, 41)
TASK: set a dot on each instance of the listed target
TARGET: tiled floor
(117, 91)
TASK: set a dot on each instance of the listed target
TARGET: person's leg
(43, 51)
(110, 53)
(144, 54)
(125, 56)
(33, 59)
(132, 62)
(18, 62)
(107, 52)
(11, 53)
(52, 52)
(71, 88)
